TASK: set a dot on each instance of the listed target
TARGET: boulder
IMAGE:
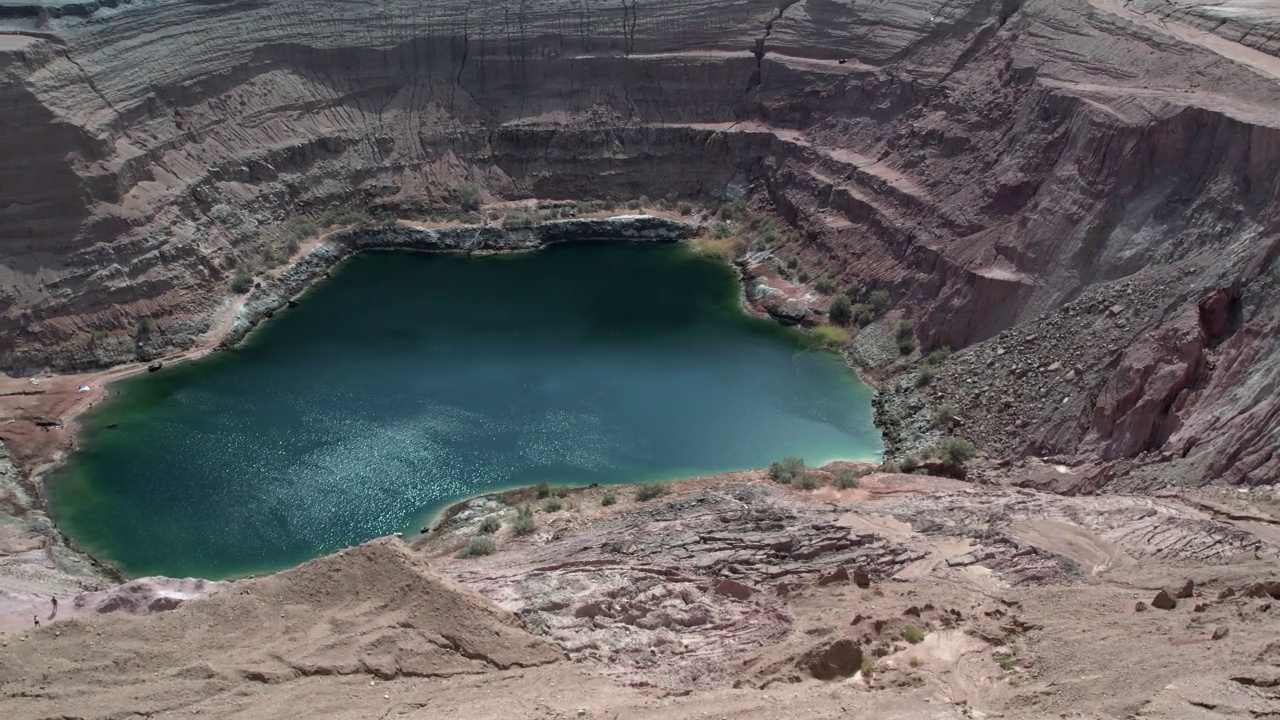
(1264, 589)
(861, 578)
(1164, 601)
(839, 659)
(840, 574)
(155, 366)
(1187, 590)
(1140, 607)
(1220, 632)
(734, 589)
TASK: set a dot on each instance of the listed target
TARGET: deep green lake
(407, 381)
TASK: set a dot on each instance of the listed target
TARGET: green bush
(489, 526)
(649, 491)
(807, 482)
(826, 286)
(633, 204)
(906, 346)
(786, 470)
(525, 524)
(145, 327)
(479, 545)
(925, 376)
(863, 314)
(912, 634)
(720, 230)
(803, 276)
(847, 479)
(909, 464)
(608, 499)
(469, 198)
(241, 282)
(684, 208)
(943, 415)
(906, 330)
(793, 263)
(543, 490)
(840, 312)
(878, 299)
(830, 336)
(1005, 662)
(552, 506)
(956, 450)
(939, 356)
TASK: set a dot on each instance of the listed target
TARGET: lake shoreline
(237, 320)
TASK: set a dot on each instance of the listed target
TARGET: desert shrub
(905, 330)
(944, 414)
(840, 312)
(906, 346)
(525, 524)
(727, 248)
(915, 662)
(489, 526)
(608, 499)
(241, 282)
(878, 299)
(925, 376)
(561, 492)
(803, 276)
(720, 230)
(863, 314)
(649, 491)
(826, 286)
(479, 545)
(868, 669)
(469, 198)
(145, 327)
(633, 204)
(939, 356)
(908, 464)
(793, 263)
(543, 490)
(956, 450)
(807, 482)
(552, 506)
(847, 479)
(684, 208)
(1005, 662)
(786, 470)
(830, 336)
(912, 634)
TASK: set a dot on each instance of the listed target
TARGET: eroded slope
(989, 163)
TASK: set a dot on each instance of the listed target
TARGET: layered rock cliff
(1009, 170)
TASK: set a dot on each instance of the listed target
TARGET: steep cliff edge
(1009, 171)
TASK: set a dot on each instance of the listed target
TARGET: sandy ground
(730, 597)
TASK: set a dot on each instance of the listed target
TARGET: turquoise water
(408, 381)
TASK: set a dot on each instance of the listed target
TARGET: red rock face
(1007, 170)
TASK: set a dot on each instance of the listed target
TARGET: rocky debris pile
(785, 301)
(1018, 562)
(1037, 388)
(1026, 533)
(673, 595)
(904, 416)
